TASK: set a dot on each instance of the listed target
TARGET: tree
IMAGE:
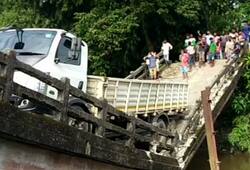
(119, 33)
(110, 36)
(21, 14)
(240, 135)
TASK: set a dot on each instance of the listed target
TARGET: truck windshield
(35, 41)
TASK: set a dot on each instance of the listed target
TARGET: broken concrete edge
(190, 147)
(46, 133)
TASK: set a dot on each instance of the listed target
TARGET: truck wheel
(85, 126)
(162, 124)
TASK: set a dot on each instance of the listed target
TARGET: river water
(237, 161)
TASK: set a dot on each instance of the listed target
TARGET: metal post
(209, 127)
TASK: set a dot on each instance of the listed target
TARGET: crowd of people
(206, 48)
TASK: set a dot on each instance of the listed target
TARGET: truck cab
(53, 51)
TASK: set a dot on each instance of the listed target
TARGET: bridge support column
(209, 127)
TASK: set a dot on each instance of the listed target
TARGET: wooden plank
(102, 114)
(91, 119)
(133, 74)
(9, 73)
(63, 97)
(142, 71)
(90, 99)
(131, 128)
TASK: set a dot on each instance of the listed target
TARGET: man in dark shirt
(151, 62)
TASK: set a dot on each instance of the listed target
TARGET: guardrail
(101, 121)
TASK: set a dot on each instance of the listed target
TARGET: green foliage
(109, 36)
(189, 9)
(241, 104)
(119, 33)
(232, 19)
(22, 18)
(247, 74)
(21, 14)
(240, 136)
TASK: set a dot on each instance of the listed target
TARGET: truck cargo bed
(134, 96)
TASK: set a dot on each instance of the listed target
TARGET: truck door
(67, 67)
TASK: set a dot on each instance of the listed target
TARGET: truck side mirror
(75, 49)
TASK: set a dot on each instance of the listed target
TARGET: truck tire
(162, 123)
(82, 125)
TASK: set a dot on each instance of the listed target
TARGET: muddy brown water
(237, 161)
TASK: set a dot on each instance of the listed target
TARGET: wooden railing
(104, 122)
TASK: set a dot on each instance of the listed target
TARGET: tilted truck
(61, 54)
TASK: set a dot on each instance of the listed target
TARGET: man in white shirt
(191, 51)
(166, 47)
(208, 38)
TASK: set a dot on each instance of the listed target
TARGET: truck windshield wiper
(29, 53)
(19, 34)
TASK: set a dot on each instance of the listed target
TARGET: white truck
(61, 54)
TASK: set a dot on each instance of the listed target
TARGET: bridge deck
(199, 78)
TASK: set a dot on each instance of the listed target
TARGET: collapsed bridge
(133, 143)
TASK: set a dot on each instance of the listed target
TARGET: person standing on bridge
(166, 47)
(184, 63)
(208, 36)
(191, 51)
(229, 48)
(201, 53)
(212, 52)
(151, 61)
